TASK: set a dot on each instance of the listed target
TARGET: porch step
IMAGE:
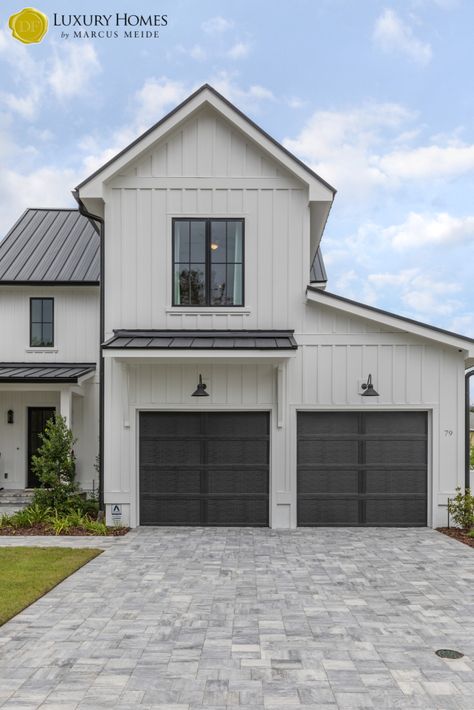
(13, 499)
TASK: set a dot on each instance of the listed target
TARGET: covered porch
(30, 394)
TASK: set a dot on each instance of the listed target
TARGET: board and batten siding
(408, 372)
(205, 169)
(76, 324)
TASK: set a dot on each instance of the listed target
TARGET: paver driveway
(225, 618)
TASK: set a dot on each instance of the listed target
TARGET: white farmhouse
(199, 353)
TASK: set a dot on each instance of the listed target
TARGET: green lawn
(26, 573)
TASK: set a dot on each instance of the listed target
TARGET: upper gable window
(208, 262)
(41, 322)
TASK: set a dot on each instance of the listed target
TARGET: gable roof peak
(246, 124)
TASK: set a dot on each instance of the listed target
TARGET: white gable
(236, 135)
(207, 144)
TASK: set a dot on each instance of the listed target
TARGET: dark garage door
(362, 468)
(204, 468)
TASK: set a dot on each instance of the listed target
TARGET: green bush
(461, 508)
(55, 466)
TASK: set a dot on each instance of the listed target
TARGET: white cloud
(247, 99)
(239, 50)
(422, 229)
(429, 161)
(216, 25)
(66, 73)
(341, 145)
(155, 97)
(391, 34)
(45, 187)
(364, 148)
(73, 66)
(421, 292)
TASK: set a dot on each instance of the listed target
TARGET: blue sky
(376, 96)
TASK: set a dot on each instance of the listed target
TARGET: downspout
(467, 470)
(101, 231)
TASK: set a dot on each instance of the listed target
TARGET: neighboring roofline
(230, 105)
(389, 314)
(88, 368)
(49, 283)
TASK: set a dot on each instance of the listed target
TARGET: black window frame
(207, 221)
(40, 298)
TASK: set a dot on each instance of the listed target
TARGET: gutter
(95, 218)
(467, 471)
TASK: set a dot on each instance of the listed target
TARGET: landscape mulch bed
(458, 534)
(45, 529)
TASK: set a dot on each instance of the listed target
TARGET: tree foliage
(55, 466)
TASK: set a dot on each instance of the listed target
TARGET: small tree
(55, 466)
(461, 508)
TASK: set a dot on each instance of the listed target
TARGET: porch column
(65, 405)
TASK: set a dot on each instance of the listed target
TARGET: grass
(26, 573)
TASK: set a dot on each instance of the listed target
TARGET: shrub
(461, 508)
(55, 467)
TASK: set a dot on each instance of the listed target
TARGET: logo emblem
(29, 25)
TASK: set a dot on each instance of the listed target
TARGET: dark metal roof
(43, 372)
(318, 271)
(234, 108)
(203, 339)
(389, 313)
(57, 246)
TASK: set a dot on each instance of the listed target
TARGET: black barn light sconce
(368, 388)
(200, 390)
(10, 417)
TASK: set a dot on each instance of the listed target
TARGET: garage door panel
(333, 423)
(204, 468)
(411, 481)
(242, 424)
(405, 512)
(237, 512)
(370, 471)
(169, 511)
(396, 423)
(235, 482)
(237, 452)
(170, 424)
(313, 481)
(159, 481)
(162, 452)
(328, 512)
(327, 452)
(395, 452)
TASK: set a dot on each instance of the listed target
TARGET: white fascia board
(398, 322)
(93, 188)
(175, 356)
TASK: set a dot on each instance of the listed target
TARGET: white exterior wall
(76, 324)
(76, 339)
(235, 180)
(408, 372)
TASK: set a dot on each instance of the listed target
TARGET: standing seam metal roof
(44, 372)
(203, 340)
(318, 271)
(50, 246)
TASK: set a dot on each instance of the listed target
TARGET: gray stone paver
(186, 618)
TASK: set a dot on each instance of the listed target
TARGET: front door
(37, 418)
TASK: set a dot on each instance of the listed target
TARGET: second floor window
(208, 262)
(41, 322)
